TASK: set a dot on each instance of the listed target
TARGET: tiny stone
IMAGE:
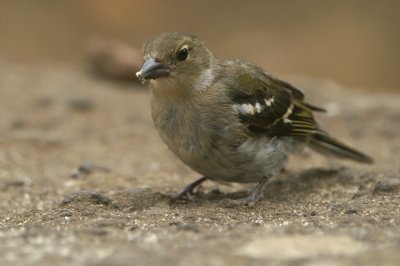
(81, 104)
(351, 211)
(86, 196)
(66, 213)
(86, 168)
(13, 183)
(189, 227)
(387, 185)
(98, 231)
(106, 223)
(311, 213)
(133, 228)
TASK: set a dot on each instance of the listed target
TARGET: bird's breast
(193, 134)
(177, 127)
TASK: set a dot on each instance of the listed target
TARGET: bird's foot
(188, 192)
(250, 200)
(255, 195)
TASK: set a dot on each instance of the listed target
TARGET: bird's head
(176, 61)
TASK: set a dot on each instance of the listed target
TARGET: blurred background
(353, 42)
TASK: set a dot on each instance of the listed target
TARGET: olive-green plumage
(228, 119)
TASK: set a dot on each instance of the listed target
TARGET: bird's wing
(266, 104)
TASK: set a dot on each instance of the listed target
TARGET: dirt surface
(85, 180)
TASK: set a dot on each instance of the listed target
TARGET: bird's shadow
(287, 186)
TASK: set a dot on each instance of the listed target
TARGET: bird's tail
(323, 143)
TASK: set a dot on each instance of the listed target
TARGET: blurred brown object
(113, 59)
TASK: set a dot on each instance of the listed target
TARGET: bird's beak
(152, 69)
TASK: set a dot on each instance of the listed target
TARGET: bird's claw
(250, 200)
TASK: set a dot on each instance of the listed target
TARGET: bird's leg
(188, 191)
(256, 194)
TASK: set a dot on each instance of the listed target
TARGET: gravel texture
(85, 180)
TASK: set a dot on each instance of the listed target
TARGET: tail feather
(323, 143)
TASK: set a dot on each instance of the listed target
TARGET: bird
(227, 119)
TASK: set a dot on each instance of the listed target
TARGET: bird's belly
(220, 151)
(247, 163)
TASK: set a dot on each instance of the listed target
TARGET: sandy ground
(85, 180)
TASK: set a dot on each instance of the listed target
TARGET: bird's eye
(183, 54)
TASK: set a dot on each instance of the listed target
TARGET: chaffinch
(228, 119)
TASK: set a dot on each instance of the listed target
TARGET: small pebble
(387, 185)
(86, 168)
(189, 227)
(98, 231)
(86, 196)
(81, 104)
(351, 210)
